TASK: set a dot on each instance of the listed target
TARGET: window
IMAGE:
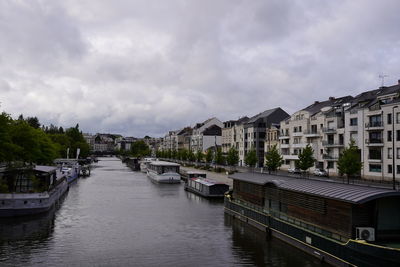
(390, 168)
(398, 135)
(375, 168)
(389, 118)
(353, 122)
(390, 152)
(398, 153)
(375, 153)
(330, 165)
(389, 136)
(398, 169)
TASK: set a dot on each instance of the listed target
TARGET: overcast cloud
(145, 67)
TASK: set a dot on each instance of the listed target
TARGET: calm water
(117, 217)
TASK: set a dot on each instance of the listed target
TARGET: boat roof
(163, 163)
(42, 168)
(195, 172)
(355, 194)
(207, 182)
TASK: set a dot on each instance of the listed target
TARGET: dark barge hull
(352, 253)
(187, 188)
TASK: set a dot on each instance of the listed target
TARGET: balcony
(328, 157)
(376, 125)
(329, 130)
(374, 142)
(285, 145)
(312, 134)
(327, 143)
(284, 137)
(299, 145)
(297, 133)
(290, 157)
(375, 159)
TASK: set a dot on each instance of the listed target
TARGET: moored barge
(206, 187)
(30, 190)
(344, 225)
(164, 172)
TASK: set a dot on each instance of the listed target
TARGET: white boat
(164, 172)
(144, 163)
(30, 190)
(69, 167)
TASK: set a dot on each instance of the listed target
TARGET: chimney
(331, 98)
(316, 102)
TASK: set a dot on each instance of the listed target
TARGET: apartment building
(183, 138)
(206, 134)
(272, 137)
(320, 125)
(230, 134)
(373, 121)
(254, 132)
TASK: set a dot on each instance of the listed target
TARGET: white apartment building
(231, 134)
(206, 134)
(320, 125)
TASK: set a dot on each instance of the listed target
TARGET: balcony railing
(374, 124)
(329, 130)
(330, 157)
(309, 132)
(374, 141)
(330, 143)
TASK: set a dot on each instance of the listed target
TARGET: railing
(328, 130)
(311, 132)
(374, 141)
(330, 143)
(374, 124)
(332, 157)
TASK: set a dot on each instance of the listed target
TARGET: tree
(349, 162)
(306, 158)
(7, 147)
(273, 160)
(233, 157)
(33, 121)
(209, 156)
(199, 156)
(191, 156)
(219, 158)
(251, 158)
(140, 149)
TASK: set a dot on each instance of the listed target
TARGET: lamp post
(393, 149)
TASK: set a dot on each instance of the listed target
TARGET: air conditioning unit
(365, 233)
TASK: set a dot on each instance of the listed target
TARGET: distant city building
(206, 135)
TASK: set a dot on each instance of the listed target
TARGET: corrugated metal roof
(42, 168)
(163, 163)
(355, 194)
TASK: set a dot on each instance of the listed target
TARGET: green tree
(232, 157)
(7, 147)
(219, 158)
(251, 158)
(191, 156)
(209, 156)
(33, 121)
(199, 155)
(306, 158)
(349, 162)
(140, 149)
(273, 160)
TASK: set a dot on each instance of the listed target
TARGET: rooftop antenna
(382, 77)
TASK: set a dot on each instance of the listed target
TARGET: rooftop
(355, 194)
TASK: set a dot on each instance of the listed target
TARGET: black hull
(333, 252)
(187, 188)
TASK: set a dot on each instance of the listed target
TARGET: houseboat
(30, 190)
(144, 164)
(342, 224)
(164, 172)
(133, 163)
(70, 167)
(192, 174)
(206, 187)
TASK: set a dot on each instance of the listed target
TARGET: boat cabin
(161, 167)
(206, 187)
(335, 210)
(28, 179)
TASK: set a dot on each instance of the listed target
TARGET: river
(117, 217)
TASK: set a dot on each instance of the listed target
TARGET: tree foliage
(219, 158)
(233, 157)
(209, 155)
(306, 158)
(251, 158)
(349, 162)
(199, 156)
(273, 160)
(140, 149)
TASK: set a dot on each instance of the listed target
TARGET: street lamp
(393, 149)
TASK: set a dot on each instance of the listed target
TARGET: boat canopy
(355, 194)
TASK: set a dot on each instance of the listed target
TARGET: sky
(146, 67)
